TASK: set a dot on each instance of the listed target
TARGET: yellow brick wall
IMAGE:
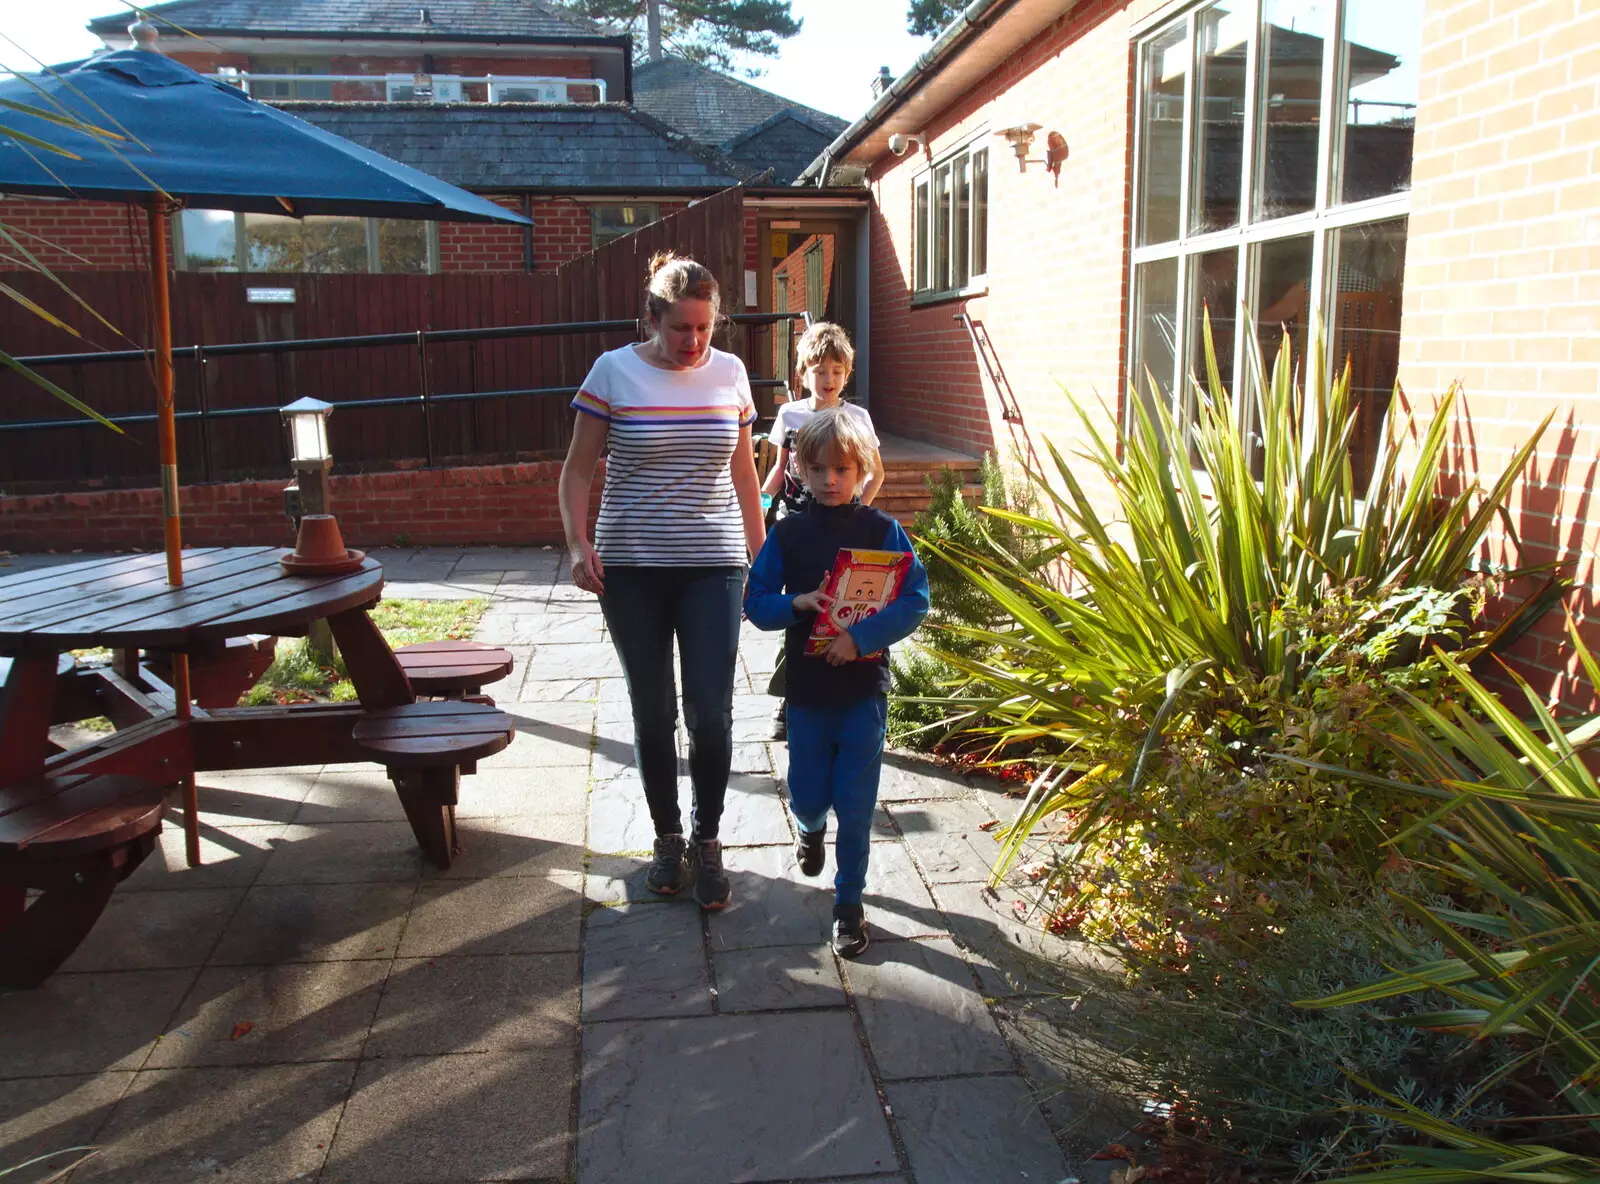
(1502, 284)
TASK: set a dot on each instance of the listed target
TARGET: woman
(680, 515)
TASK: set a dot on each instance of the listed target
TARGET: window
(1271, 177)
(528, 91)
(608, 223)
(422, 88)
(285, 88)
(816, 282)
(220, 240)
(950, 223)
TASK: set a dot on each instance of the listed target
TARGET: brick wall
(510, 504)
(1502, 284)
(1054, 306)
(480, 246)
(78, 235)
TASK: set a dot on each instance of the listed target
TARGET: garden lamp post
(307, 421)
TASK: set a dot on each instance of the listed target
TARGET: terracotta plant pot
(319, 539)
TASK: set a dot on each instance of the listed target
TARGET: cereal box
(861, 583)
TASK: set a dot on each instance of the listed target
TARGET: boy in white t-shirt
(824, 359)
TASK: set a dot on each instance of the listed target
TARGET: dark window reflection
(1366, 325)
(1283, 299)
(1294, 34)
(1155, 342)
(1215, 276)
(1383, 40)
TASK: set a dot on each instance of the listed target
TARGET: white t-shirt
(668, 498)
(792, 417)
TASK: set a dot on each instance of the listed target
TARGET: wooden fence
(429, 427)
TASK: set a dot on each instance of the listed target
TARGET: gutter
(976, 17)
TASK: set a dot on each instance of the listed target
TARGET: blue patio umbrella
(178, 138)
(186, 140)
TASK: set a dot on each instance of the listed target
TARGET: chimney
(881, 81)
(424, 17)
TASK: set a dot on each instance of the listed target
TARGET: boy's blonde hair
(831, 433)
(823, 342)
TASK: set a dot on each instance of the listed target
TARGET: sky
(829, 65)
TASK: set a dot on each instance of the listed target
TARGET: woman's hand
(588, 572)
(816, 601)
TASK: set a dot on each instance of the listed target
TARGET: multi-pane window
(608, 223)
(221, 240)
(950, 223)
(285, 88)
(1271, 178)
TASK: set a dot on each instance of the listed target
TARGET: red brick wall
(1054, 306)
(77, 235)
(478, 246)
(514, 503)
(1502, 284)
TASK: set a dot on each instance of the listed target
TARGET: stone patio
(315, 1004)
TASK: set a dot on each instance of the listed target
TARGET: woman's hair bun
(659, 260)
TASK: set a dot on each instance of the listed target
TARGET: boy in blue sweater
(838, 699)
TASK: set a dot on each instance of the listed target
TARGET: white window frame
(180, 252)
(651, 208)
(1322, 222)
(922, 253)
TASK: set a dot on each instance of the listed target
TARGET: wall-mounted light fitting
(900, 142)
(1020, 137)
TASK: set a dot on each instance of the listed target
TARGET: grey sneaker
(669, 867)
(849, 930)
(780, 721)
(711, 887)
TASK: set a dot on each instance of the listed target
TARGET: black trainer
(780, 722)
(811, 851)
(849, 930)
(711, 887)
(669, 866)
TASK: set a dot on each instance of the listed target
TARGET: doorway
(806, 264)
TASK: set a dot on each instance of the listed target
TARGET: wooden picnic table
(98, 805)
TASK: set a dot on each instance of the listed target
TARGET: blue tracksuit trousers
(835, 754)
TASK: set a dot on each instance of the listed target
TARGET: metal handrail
(421, 339)
(246, 77)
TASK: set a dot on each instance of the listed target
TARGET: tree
(711, 32)
(926, 17)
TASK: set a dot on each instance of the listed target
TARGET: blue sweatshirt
(799, 552)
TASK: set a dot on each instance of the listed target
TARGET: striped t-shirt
(668, 498)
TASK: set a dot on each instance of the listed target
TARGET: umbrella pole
(161, 298)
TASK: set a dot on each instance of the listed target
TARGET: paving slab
(493, 1003)
(499, 791)
(477, 1116)
(619, 816)
(753, 812)
(922, 1016)
(230, 857)
(911, 778)
(344, 794)
(976, 1128)
(315, 923)
(152, 930)
(498, 559)
(644, 960)
(504, 915)
(514, 845)
(947, 838)
(558, 690)
(580, 657)
(1006, 943)
(53, 1113)
(343, 853)
(774, 905)
(253, 1015)
(234, 1125)
(778, 978)
(87, 1023)
(783, 1096)
(241, 799)
(542, 741)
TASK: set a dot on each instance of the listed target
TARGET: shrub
(1219, 1048)
(1208, 631)
(923, 709)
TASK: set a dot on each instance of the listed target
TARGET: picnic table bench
(103, 799)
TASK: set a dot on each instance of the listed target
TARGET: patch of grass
(97, 653)
(298, 676)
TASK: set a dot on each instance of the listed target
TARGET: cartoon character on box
(861, 583)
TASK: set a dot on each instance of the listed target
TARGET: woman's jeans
(645, 608)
